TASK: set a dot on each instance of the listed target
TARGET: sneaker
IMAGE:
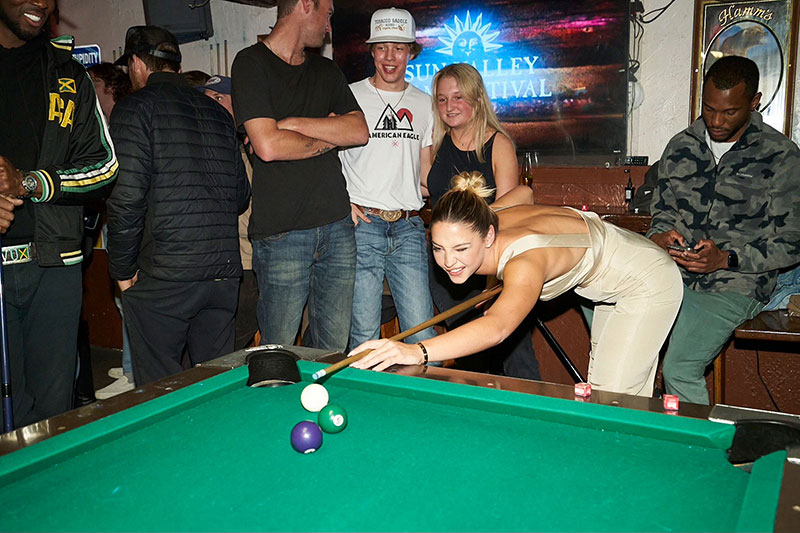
(115, 372)
(118, 387)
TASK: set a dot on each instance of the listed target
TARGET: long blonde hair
(465, 203)
(470, 84)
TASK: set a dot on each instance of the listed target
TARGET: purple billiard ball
(306, 437)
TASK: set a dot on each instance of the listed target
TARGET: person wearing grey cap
(383, 180)
(172, 218)
(296, 108)
(55, 157)
(218, 88)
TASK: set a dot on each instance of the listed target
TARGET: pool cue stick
(571, 369)
(5, 367)
(463, 306)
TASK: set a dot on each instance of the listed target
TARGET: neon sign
(510, 72)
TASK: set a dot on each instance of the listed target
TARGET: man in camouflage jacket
(727, 209)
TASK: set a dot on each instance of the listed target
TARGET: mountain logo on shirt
(394, 121)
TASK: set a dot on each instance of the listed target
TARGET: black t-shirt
(451, 161)
(23, 108)
(292, 195)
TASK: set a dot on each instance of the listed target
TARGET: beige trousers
(638, 291)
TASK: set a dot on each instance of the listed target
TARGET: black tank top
(451, 161)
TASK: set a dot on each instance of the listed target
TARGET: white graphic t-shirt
(384, 173)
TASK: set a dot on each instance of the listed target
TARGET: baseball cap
(221, 84)
(145, 40)
(392, 26)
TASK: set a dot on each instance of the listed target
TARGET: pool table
(425, 449)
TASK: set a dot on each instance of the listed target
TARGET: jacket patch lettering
(58, 113)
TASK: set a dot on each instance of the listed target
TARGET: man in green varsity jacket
(727, 209)
(55, 157)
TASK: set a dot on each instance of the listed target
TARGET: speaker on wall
(186, 23)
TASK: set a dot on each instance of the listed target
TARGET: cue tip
(318, 374)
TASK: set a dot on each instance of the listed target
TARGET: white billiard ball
(314, 397)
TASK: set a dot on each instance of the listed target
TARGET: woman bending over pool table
(541, 252)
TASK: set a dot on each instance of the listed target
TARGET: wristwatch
(733, 260)
(29, 183)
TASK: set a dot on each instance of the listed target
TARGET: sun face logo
(467, 40)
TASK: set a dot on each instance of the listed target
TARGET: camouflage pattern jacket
(749, 203)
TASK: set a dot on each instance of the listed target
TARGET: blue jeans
(127, 365)
(398, 251)
(788, 284)
(316, 266)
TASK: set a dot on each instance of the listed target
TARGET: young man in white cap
(383, 181)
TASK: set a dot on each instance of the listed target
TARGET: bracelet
(424, 352)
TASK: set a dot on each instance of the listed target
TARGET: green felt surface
(416, 455)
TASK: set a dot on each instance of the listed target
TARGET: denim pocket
(417, 222)
(277, 237)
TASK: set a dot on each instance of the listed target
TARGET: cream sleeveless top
(580, 272)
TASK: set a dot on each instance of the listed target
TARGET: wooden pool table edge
(108, 428)
(57, 425)
(23, 437)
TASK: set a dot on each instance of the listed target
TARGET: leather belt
(18, 254)
(388, 215)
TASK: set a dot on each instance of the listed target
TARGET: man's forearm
(341, 130)
(286, 145)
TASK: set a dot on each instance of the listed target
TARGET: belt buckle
(390, 215)
(18, 254)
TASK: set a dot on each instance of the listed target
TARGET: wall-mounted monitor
(556, 70)
(187, 20)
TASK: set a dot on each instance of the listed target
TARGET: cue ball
(306, 437)
(314, 397)
(332, 418)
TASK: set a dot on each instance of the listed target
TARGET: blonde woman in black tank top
(467, 135)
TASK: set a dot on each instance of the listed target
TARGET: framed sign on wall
(556, 72)
(761, 30)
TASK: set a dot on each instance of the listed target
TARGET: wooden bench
(771, 326)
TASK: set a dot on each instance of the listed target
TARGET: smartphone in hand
(678, 248)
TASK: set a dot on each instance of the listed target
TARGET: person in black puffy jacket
(172, 218)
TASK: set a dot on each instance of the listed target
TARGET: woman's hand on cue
(386, 353)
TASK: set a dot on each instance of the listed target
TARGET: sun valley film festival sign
(507, 75)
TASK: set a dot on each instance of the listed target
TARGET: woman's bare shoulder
(540, 219)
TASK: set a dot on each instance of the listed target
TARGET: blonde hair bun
(473, 182)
